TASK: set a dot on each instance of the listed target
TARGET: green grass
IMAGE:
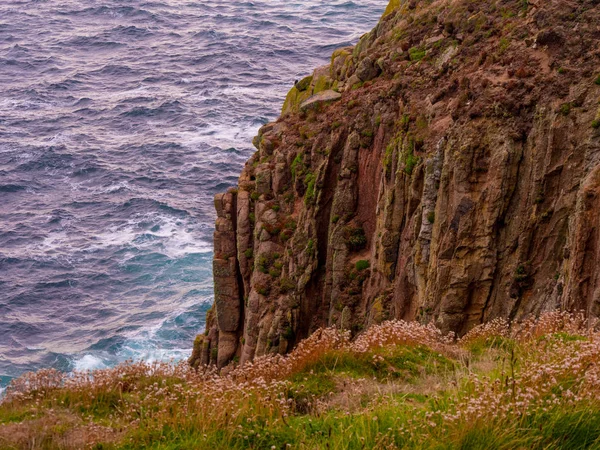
(417, 53)
(400, 388)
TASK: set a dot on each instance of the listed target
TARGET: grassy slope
(398, 386)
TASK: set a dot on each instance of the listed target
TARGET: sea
(119, 122)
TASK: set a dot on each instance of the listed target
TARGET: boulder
(322, 98)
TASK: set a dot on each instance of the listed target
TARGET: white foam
(151, 355)
(222, 135)
(88, 362)
(176, 239)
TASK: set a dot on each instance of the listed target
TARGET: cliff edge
(446, 169)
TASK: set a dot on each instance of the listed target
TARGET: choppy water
(119, 121)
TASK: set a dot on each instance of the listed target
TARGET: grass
(532, 385)
(417, 53)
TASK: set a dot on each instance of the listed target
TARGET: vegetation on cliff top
(398, 385)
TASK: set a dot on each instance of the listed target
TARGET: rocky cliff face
(455, 179)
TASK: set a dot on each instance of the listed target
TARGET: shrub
(504, 44)
(263, 289)
(431, 216)
(521, 273)
(355, 238)
(596, 123)
(565, 109)
(288, 334)
(264, 262)
(286, 285)
(597, 81)
(249, 253)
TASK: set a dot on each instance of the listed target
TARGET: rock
(367, 70)
(322, 98)
(304, 83)
(468, 193)
(352, 82)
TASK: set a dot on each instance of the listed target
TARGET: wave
(115, 12)
(131, 31)
(121, 122)
(173, 107)
(12, 188)
(92, 42)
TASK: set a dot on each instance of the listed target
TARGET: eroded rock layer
(456, 179)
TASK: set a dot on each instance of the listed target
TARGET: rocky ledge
(446, 169)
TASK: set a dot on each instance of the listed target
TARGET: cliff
(446, 169)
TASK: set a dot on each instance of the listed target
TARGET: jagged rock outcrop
(456, 180)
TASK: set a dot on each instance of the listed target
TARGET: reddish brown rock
(460, 183)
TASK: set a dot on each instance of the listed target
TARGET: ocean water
(119, 121)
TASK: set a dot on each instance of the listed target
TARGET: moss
(304, 83)
(388, 157)
(422, 123)
(309, 182)
(249, 253)
(293, 100)
(310, 247)
(565, 109)
(255, 196)
(404, 122)
(297, 165)
(431, 216)
(503, 46)
(321, 84)
(597, 80)
(392, 6)
(596, 123)
(363, 264)
(410, 159)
